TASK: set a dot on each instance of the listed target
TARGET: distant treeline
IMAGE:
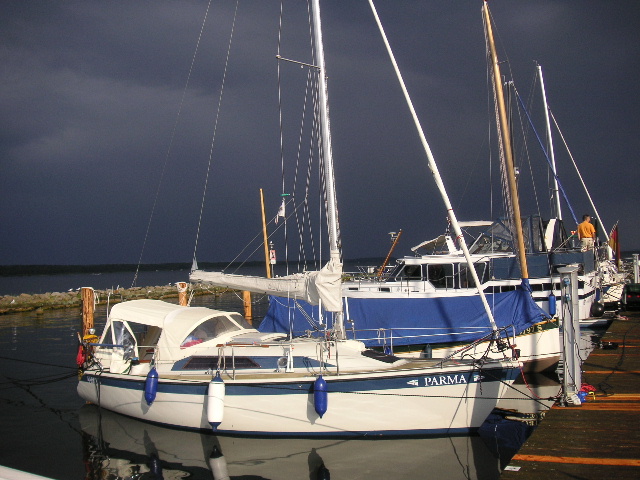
(17, 270)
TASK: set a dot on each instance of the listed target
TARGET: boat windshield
(214, 327)
(124, 339)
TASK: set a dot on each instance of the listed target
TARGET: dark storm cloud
(91, 90)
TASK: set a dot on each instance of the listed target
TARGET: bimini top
(178, 322)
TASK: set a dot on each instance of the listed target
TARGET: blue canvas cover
(416, 320)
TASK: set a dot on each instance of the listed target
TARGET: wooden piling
(182, 293)
(248, 314)
(88, 307)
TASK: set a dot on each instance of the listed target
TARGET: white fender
(215, 401)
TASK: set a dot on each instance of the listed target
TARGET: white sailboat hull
(538, 349)
(406, 402)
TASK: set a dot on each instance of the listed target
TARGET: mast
(506, 143)
(265, 236)
(556, 198)
(436, 174)
(575, 166)
(329, 177)
(332, 217)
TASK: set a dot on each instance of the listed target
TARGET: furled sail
(312, 287)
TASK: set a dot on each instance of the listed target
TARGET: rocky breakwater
(44, 301)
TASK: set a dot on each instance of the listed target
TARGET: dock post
(571, 370)
(182, 293)
(246, 300)
(88, 308)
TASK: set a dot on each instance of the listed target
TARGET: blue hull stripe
(304, 388)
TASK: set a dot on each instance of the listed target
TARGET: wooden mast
(506, 144)
(246, 295)
(267, 260)
(386, 260)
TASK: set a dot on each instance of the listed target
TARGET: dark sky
(91, 92)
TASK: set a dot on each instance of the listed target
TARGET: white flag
(280, 211)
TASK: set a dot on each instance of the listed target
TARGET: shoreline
(39, 302)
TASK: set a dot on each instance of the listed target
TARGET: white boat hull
(394, 403)
(537, 348)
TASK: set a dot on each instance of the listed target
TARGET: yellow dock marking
(631, 462)
(617, 372)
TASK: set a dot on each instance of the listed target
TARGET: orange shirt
(586, 230)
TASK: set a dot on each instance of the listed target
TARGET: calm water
(46, 429)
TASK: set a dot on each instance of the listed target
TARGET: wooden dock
(601, 438)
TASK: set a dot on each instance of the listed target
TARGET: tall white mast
(332, 203)
(332, 216)
(436, 174)
(556, 197)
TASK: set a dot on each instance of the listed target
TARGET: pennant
(281, 211)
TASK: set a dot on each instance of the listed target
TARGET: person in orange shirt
(586, 233)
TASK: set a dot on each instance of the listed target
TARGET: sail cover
(312, 287)
(414, 320)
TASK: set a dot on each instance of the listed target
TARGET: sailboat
(199, 368)
(432, 304)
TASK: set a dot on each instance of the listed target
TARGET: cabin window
(466, 277)
(411, 272)
(123, 337)
(211, 328)
(441, 276)
(491, 244)
(240, 320)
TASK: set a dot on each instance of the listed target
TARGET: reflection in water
(118, 447)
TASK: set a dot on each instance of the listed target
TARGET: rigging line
(489, 129)
(530, 102)
(299, 225)
(215, 128)
(506, 194)
(525, 152)
(578, 171)
(170, 147)
(259, 234)
(560, 187)
(314, 141)
(303, 222)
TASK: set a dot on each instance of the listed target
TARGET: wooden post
(386, 260)
(88, 307)
(248, 314)
(182, 293)
(265, 236)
